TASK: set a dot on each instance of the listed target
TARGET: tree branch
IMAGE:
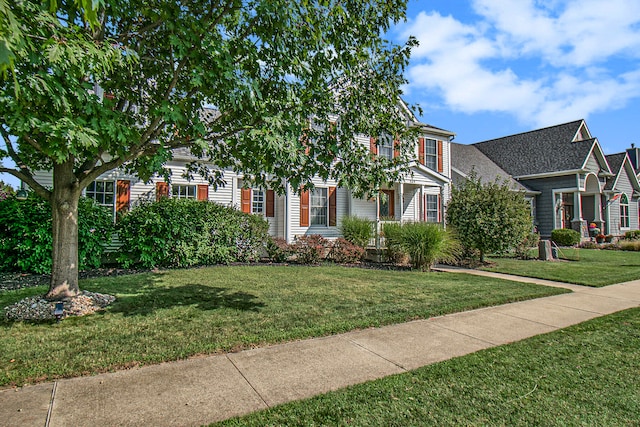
(30, 181)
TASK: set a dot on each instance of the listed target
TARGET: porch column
(422, 207)
(401, 204)
(578, 223)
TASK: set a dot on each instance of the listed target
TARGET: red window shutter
(304, 209)
(203, 192)
(332, 206)
(440, 163)
(270, 208)
(396, 148)
(373, 146)
(245, 200)
(392, 203)
(123, 195)
(421, 150)
(162, 190)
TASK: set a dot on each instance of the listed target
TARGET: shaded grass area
(590, 267)
(584, 375)
(181, 313)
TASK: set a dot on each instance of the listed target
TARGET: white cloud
(543, 62)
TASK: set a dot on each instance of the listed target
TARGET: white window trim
(185, 196)
(627, 216)
(254, 192)
(431, 156)
(111, 206)
(325, 190)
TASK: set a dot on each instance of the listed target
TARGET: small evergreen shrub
(345, 252)
(358, 231)
(632, 235)
(26, 240)
(187, 232)
(278, 249)
(310, 249)
(565, 237)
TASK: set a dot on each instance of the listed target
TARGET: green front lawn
(585, 375)
(590, 267)
(180, 313)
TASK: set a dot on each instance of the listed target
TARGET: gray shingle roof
(467, 158)
(615, 163)
(540, 151)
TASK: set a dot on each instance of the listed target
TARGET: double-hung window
(103, 192)
(431, 153)
(181, 191)
(431, 208)
(386, 148)
(624, 211)
(319, 207)
(257, 201)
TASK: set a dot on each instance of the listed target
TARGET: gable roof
(467, 158)
(550, 150)
(618, 163)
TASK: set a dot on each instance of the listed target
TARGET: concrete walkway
(207, 389)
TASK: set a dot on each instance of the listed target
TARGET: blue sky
(491, 68)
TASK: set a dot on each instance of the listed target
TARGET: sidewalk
(208, 389)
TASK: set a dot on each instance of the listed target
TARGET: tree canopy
(123, 83)
(488, 217)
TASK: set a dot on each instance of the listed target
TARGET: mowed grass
(585, 375)
(590, 267)
(181, 313)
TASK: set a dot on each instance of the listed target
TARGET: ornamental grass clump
(358, 231)
(424, 243)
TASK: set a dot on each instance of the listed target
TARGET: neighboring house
(566, 168)
(622, 192)
(418, 196)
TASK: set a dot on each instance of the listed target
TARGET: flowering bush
(278, 249)
(344, 252)
(310, 249)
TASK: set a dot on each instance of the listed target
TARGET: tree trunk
(64, 207)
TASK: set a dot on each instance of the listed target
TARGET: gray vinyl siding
(545, 209)
(593, 164)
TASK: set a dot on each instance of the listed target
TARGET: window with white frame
(103, 192)
(624, 211)
(386, 148)
(431, 153)
(319, 207)
(431, 208)
(181, 191)
(257, 201)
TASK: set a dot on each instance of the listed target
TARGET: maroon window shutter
(270, 208)
(162, 190)
(396, 148)
(440, 162)
(203, 192)
(123, 195)
(421, 150)
(304, 209)
(373, 146)
(245, 200)
(332, 206)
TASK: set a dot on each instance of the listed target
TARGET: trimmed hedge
(565, 237)
(187, 232)
(25, 234)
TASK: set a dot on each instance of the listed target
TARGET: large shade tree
(121, 86)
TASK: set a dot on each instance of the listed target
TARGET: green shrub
(310, 249)
(187, 232)
(522, 251)
(565, 237)
(423, 242)
(395, 252)
(344, 252)
(358, 231)
(278, 249)
(632, 235)
(25, 234)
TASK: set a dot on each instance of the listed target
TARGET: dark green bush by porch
(565, 237)
(25, 234)
(632, 235)
(186, 232)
